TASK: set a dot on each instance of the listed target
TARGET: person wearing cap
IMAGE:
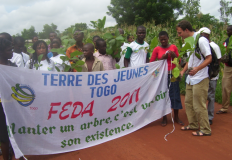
(197, 83)
(226, 79)
(213, 82)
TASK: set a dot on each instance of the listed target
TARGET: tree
(206, 19)
(81, 26)
(191, 10)
(47, 30)
(29, 33)
(225, 10)
(141, 11)
(70, 30)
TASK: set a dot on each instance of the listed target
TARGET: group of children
(134, 53)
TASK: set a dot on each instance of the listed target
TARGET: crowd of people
(199, 87)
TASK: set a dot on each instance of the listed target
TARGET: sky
(16, 15)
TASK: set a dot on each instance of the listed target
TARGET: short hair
(185, 25)
(18, 40)
(4, 43)
(230, 27)
(140, 27)
(7, 36)
(34, 37)
(163, 33)
(90, 45)
(79, 31)
(99, 41)
(34, 58)
(58, 39)
(96, 37)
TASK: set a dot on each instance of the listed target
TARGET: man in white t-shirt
(213, 82)
(136, 53)
(197, 83)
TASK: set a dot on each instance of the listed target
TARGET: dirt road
(148, 143)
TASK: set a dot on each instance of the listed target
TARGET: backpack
(214, 66)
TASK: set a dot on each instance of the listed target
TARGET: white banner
(57, 112)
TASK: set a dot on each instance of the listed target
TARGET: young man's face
(229, 31)
(87, 51)
(78, 36)
(102, 47)
(55, 45)
(52, 36)
(205, 35)
(7, 53)
(35, 39)
(141, 34)
(18, 47)
(182, 33)
(56, 40)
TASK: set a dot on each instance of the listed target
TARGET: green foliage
(225, 10)
(141, 11)
(153, 44)
(117, 66)
(114, 44)
(99, 24)
(191, 9)
(37, 65)
(29, 33)
(190, 46)
(81, 26)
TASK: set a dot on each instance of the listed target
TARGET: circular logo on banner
(23, 94)
(156, 73)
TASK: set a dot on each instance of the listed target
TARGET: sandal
(186, 128)
(200, 133)
(221, 112)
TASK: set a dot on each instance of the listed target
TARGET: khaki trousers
(226, 88)
(195, 104)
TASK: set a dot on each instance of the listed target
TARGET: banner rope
(173, 125)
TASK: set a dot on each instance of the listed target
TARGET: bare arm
(126, 62)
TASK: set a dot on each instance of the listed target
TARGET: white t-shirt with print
(218, 53)
(194, 62)
(58, 62)
(139, 53)
(17, 59)
(45, 65)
